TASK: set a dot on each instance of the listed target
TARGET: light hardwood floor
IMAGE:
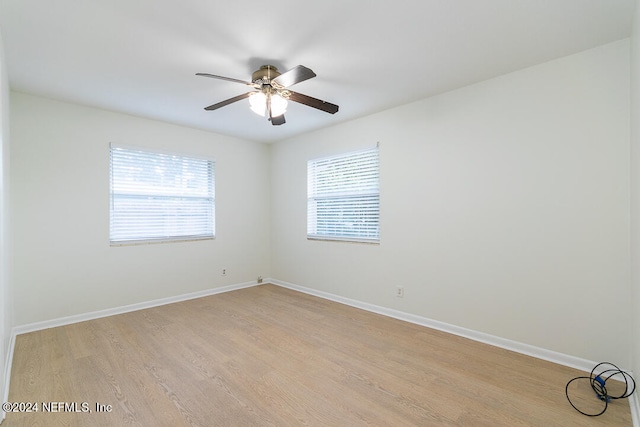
(269, 356)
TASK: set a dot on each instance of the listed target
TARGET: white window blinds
(344, 197)
(159, 197)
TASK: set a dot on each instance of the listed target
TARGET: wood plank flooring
(269, 356)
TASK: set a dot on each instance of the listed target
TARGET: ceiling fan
(271, 92)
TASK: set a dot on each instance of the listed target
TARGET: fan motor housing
(265, 74)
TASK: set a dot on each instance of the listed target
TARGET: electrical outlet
(400, 291)
(224, 271)
(259, 279)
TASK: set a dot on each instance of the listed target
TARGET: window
(344, 197)
(160, 197)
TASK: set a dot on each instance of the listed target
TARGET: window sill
(159, 241)
(344, 240)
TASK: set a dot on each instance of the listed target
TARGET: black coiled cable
(598, 383)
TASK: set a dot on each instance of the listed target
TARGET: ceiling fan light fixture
(258, 103)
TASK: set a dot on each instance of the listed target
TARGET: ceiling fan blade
(295, 75)
(277, 121)
(228, 101)
(229, 79)
(313, 102)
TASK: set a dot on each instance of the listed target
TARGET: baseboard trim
(37, 326)
(518, 347)
(635, 409)
(7, 372)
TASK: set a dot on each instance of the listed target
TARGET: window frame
(342, 195)
(143, 240)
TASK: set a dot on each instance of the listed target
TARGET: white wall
(5, 234)
(635, 187)
(63, 263)
(505, 207)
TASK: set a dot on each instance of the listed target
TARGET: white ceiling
(140, 56)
